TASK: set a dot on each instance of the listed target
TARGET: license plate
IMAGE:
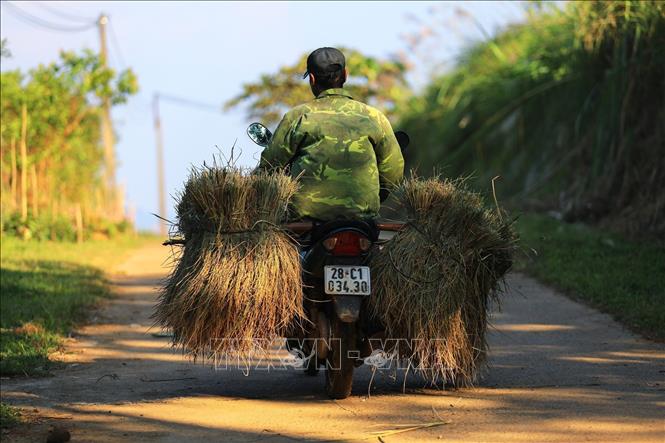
(347, 280)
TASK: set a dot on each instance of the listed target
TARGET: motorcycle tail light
(330, 243)
(347, 243)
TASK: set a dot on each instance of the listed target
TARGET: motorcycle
(337, 282)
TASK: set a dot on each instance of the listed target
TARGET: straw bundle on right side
(433, 281)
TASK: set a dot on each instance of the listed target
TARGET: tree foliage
(567, 107)
(64, 158)
(372, 80)
(4, 49)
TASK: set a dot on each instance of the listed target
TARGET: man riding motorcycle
(347, 159)
(344, 151)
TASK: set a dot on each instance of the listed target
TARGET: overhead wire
(37, 21)
(116, 45)
(61, 14)
(192, 103)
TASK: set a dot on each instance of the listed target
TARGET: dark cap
(325, 60)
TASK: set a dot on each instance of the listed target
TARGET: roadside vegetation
(567, 107)
(621, 277)
(58, 182)
(9, 415)
(45, 290)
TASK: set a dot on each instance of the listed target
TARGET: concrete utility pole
(107, 131)
(160, 164)
(160, 145)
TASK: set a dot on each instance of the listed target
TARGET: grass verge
(45, 290)
(9, 415)
(623, 278)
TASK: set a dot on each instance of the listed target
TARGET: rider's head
(326, 69)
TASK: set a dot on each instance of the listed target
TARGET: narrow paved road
(559, 372)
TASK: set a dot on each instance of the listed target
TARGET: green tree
(64, 158)
(375, 81)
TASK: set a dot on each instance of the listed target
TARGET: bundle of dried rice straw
(433, 281)
(237, 278)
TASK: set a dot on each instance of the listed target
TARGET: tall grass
(568, 107)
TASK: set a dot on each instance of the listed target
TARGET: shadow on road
(557, 371)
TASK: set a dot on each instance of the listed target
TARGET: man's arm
(389, 158)
(282, 146)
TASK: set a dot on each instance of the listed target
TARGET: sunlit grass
(623, 278)
(45, 290)
(9, 416)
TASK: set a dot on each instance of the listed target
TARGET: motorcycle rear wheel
(312, 367)
(339, 368)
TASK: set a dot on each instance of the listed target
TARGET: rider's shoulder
(356, 106)
(374, 113)
(297, 111)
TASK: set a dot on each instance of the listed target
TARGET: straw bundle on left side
(237, 278)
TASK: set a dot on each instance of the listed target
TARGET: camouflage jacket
(343, 150)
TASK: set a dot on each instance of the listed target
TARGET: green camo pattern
(343, 152)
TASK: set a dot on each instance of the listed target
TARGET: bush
(60, 228)
(42, 227)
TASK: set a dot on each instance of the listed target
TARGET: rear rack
(302, 227)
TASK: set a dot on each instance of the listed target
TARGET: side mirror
(259, 134)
